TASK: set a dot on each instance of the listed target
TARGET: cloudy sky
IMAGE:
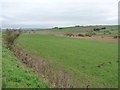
(50, 13)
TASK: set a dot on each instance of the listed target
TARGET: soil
(101, 39)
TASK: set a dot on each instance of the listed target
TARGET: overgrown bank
(17, 75)
(59, 79)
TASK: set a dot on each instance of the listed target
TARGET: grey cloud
(49, 13)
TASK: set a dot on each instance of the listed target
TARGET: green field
(17, 75)
(80, 58)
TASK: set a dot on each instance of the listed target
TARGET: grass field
(88, 62)
(16, 75)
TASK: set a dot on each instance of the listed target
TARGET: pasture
(89, 63)
(109, 31)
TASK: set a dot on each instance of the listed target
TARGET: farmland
(108, 32)
(109, 29)
(50, 55)
(59, 44)
(88, 62)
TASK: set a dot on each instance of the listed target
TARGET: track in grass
(88, 62)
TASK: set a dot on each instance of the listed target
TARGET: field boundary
(59, 79)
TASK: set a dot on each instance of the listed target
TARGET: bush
(55, 28)
(60, 28)
(77, 26)
(107, 32)
(115, 37)
(90, 34)
(82, 35)
(69, 34)
(96, 29)
(10, 36)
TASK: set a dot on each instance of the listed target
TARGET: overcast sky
(50, 13)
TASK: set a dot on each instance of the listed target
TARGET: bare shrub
(90, 34)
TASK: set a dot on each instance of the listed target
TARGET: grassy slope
(16, 75)
(112, 29)
(79, 57)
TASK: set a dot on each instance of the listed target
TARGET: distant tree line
(98, 29)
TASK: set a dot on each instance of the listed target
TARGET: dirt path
(95, 38)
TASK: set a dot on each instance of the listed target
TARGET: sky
(57, 13)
